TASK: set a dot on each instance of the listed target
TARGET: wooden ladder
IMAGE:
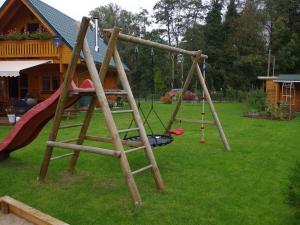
(101, 95)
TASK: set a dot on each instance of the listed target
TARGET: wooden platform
(14, 212)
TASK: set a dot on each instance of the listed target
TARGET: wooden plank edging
(28, 213)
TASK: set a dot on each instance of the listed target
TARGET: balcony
(28, 49)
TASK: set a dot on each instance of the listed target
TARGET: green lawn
(204, 184)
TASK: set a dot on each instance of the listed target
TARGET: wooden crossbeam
(148, 43)
(110, 140)
(100, 151)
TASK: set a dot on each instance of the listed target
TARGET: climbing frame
(98, 93)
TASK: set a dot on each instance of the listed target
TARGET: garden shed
(283, 89)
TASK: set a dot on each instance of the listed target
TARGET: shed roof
(295, 78)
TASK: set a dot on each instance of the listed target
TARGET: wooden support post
(138, 120)
(110, 50)
(64, 95)
(111, 126)
(185, 87)
(212, 108)
(83, 131)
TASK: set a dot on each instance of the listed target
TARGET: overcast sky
(77, 9)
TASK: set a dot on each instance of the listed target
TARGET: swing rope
(202, 126)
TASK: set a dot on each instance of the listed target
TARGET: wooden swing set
(98, 93)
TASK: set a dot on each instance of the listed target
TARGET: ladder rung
(194, 121)
(92, 91)
(142, 169)
(115, 92)
(61, 156)
(135, 149)
(70, 140)
(110, 140)
(122, 111)
(128, 130)
(83, 148)
(71, 126)
(83, 91)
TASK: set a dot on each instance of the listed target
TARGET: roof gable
(65, 27)
(60, 24)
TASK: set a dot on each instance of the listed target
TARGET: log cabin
(283, 89)
(36, 43)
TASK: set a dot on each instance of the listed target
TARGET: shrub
(17, 36)
(256, 100)
(240, 96)
(39, 36)
(277, 112)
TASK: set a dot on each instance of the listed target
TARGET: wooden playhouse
(283, 90)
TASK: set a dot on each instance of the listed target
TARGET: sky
(78, 9)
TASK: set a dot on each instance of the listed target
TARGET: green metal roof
(64, 26)
(288, 78)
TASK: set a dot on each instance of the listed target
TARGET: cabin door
(13, 87)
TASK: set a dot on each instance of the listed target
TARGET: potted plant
(11, 114)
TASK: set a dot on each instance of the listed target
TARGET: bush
(256, 100)
(15, 36)
(235, 95)
(241, 96)
(277, 112)
(39, 36)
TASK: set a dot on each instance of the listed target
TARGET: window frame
(52, 78)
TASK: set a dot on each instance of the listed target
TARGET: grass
(204, 185)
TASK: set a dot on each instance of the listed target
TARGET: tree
(286, 47)
(230, 20)
(214, 38)
(250, 44)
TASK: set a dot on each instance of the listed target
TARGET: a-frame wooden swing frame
(98, 93)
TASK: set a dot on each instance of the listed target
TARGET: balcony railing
(28, 49)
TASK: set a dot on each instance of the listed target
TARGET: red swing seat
(178, 131)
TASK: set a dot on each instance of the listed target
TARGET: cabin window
(33, 27)
(50, 82)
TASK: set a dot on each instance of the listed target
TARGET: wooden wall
(273, 92)
(35, 78)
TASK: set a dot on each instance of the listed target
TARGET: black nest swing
(155, 140)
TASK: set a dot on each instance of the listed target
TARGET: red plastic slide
(31, 123)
